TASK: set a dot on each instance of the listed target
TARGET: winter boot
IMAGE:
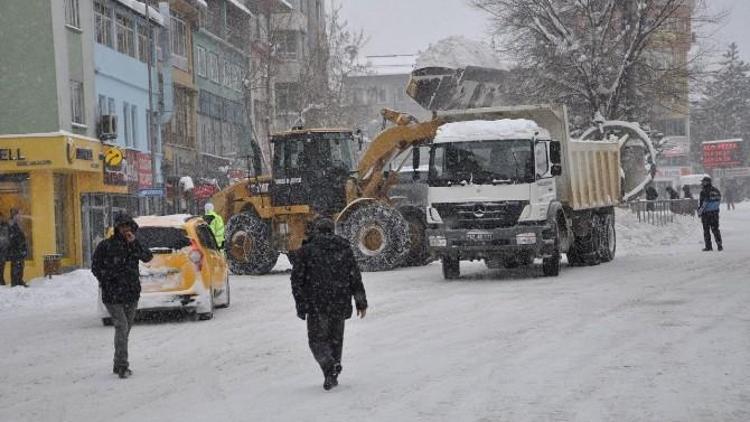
(330, 382)
(708, 249)
(721, 247)
(124, 373)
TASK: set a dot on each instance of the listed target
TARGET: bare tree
(621, 58)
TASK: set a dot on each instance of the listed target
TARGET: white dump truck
(507, 185)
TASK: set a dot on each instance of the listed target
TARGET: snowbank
(638, 238)
(45, 294)
(458, 52)
(483, 130)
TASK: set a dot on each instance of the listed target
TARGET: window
(179, 36)
(72, 17)
(112, 109)
(206, 237)
(126, 123)
(101, 108)
(144, 42)
(213, 67)
(133, 124)
(287, 99)
(287, 44)
(103, 23)
(124, 30)
(63, 214)
(201, 62)
(77, 111)
(15, 192)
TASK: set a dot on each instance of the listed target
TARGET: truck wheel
(418, 253)
(551, 265)
(592, 242)
(248, 245)
(451, 268)
(608, 236)
(379, 236)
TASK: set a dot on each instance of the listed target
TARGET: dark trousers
(711, 224)
(123, 317)
(325, 335)
(16, 272)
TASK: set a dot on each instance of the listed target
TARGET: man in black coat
(115, 265)
(325, 277)
(17, 249)
(4, 244)
(708, 209)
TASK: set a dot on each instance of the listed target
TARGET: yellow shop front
(46, 177)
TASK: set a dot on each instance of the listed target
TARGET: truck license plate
(479, 235)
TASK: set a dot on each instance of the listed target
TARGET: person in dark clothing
(4, 244)
(115, 266)
(672, 193)
(730, 194)
(651, 195)
(17, 249)
(325, 277)
(686, 192)
(708, 209)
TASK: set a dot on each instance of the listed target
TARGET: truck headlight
(526, 239)
(438, 241)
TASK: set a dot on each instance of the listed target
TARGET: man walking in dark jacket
(115, 265)
(17, 249)
(708, 209)
(325, 277)
(4, 244)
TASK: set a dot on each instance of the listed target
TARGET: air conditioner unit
(108, 126)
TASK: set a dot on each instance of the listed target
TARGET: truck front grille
(481, 215)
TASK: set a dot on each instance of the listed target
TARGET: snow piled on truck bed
(485, 130)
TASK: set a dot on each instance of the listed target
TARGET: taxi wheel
(224, 303)
(204, 316)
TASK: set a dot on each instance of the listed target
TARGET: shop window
(63, 215)
(15, 192)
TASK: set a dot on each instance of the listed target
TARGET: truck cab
(491, 184)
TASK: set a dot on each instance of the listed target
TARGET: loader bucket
(444, 88)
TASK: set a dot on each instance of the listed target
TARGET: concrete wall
(28, 85)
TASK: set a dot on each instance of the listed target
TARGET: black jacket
(651, 193)
(17, 247)
(115, 265)
(710, 199)
(325, 277)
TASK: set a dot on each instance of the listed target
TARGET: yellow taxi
(188, 270)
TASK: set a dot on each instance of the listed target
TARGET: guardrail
(663, 212)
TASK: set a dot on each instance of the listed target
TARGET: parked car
(188, 271)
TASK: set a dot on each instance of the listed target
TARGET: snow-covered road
(660, 334)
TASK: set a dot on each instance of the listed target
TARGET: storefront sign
(732, 172)
(145, 173)
(11, 154)
(113, 158)
(722, 154)
(151, 192)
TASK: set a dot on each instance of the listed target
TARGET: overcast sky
(408, 26)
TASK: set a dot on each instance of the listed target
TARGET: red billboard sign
(722, 154)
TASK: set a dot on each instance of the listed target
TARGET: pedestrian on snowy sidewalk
(708, 209)
(115, 266)
(325, 278)
(18, 249)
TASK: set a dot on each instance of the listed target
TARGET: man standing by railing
(708, 209)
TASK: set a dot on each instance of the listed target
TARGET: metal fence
(663, 212)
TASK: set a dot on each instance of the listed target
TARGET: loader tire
(418, 253)
(379, 236)
(248, 245)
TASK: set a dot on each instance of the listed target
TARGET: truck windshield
(482, 162)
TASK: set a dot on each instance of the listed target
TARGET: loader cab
(311, 167)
